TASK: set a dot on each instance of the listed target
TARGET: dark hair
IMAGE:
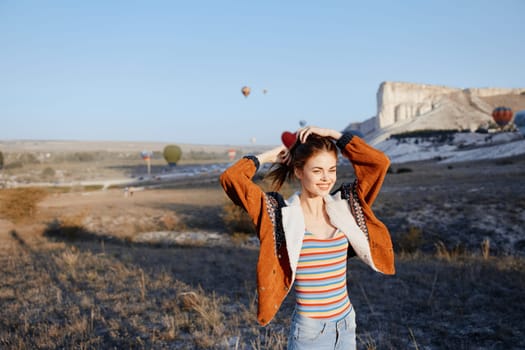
(299, 153)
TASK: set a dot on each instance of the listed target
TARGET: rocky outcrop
(407, 106)
(398, 102)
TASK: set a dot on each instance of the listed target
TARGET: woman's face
(319, 174)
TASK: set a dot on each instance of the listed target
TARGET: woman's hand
(278, 154)
(302, 134)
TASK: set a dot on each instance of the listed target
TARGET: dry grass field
(76, 275)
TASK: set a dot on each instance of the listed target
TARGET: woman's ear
(298, 173)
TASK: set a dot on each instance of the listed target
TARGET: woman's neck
(312, 206)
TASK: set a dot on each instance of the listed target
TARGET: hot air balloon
(265, 91)
(245, 91)
(231, 154)
(302, 123)
(172, 154)
(146, 155)
(519, 121)
(502, 115)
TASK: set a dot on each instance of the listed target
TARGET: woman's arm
(238, 185)
(370, 165)
(275, 155)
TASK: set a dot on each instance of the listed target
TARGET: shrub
(14, 165)
(48, 172)
(409, 242)
(404, 170)
(236, 219)
(68, 227)
(202, 155)
(28, 158)
(84, 156)
(89, 188)
(20, 203)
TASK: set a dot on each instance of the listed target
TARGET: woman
(306, 239)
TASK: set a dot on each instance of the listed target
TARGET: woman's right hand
(278, 154)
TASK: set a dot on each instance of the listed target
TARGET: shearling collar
(340, 215)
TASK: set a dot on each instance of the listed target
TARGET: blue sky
(172, 71)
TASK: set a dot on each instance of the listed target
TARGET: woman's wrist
(254, 159)
(262, 158)
(336, 135)
(267, 157)
(343, 140)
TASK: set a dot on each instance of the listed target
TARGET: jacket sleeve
(238, 185)
(370, 166)
(273, 267)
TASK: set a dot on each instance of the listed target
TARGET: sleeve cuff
(343, 140)
(255, 161)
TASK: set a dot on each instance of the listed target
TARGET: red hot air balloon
(231, 154)
(146, 155)
(502, 115)
(245, 91)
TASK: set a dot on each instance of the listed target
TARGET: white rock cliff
(406, 106)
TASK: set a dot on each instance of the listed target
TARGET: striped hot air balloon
(502, 115)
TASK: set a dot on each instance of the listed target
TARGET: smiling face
(318, 175)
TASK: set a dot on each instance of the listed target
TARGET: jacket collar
(294, 229)
(340, 215)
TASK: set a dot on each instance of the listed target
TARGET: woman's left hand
(303, 133)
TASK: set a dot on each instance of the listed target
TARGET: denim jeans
(308, 333)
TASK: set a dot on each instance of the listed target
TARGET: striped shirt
(320, 283)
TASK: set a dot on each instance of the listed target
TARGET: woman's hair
(299, 155)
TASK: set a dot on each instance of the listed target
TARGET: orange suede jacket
(280, 223)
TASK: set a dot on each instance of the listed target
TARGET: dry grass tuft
(485, 248)
(20, 204)
(236, 219)
(169, 222)
(75, 220)
(410, 242)
(205, 317)
(448, 254)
